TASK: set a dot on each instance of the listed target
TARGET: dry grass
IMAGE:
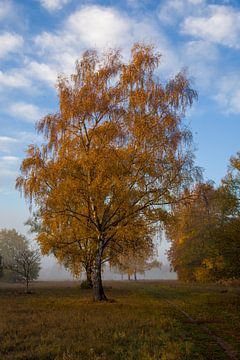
(60, 321)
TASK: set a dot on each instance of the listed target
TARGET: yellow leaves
(235, 162)
(202, 274)
(138, 98)
(216, 263)
(209, 268)
(144, 57)
(114, 153)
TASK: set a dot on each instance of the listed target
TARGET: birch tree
(116, 153)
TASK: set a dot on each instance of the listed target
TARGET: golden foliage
(114, 155)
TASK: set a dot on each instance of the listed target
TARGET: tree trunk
(135, 275)
(27, 286)
(98, 292)
(89, 276)
(129, 277)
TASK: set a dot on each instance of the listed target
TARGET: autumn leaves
(115, 156)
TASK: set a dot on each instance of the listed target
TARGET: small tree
(26, 264)
(136, 262)
(11, 242)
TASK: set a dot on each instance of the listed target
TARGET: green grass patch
(60, 321)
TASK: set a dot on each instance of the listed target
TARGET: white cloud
(10, 159)
(60, 50)
(200, 57)
(13, 79)
(6, 9)
(17, 142)
(52, 5)
(11, 149)
(216, 23)
(29, 137)
(221, 25)
(99, 27)
(25, 77)
(24, 111)
(209, 26)
(10, 43)
(7, 143)
(171, 11)
(195, 50)
(43, 72)
(228, 94)
(91, 26)
(9, 166)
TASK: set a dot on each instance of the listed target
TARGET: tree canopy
(204, 235)
(18, 262)
(11, 242)
(115, 156)
(26, 264)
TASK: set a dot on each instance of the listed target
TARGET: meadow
(147, 320)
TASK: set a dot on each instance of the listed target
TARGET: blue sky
(42, 38)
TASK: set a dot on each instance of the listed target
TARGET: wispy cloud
(6, 9)
(10, 43)
(16, 143)
(41, 71)
(14, 79)
(9, 166)
(10, 159)
(53, 5)
(221, 25)
(7, 143)
(228, 94)
(25, 111)
(201, 63)
(172, 11)
(100, 27)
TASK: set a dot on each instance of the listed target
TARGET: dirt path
(226, 347)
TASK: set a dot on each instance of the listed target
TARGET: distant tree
(232, 180)
(231, 243)
(116, 153)
(134, 264)
(10, 243)
(204, 235)
(19, 262)
(139, 256)
(26, 264)
(1, 266)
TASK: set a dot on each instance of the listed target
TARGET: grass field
(60, 321)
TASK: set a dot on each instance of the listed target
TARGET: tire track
(226, 347)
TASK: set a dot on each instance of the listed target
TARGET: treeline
(204, 230)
